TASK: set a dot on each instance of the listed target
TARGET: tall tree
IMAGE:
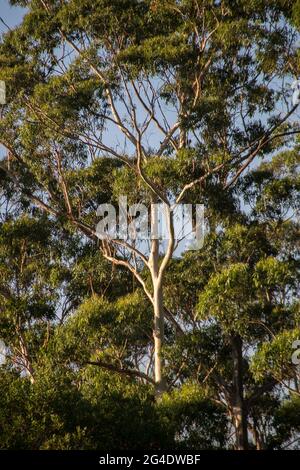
(172, 97)
(239, 304)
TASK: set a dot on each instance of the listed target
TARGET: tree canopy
(112, 343)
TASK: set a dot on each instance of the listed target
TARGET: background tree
(239, 304)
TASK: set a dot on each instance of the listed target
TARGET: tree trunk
(25, 358)
(158, 323)
(158, 335)
(258, 441)
(238, 404)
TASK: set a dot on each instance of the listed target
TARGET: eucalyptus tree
(239, 306)
(29, 289)
(167, 98)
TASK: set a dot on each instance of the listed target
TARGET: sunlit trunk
(158, 321)
(158, 335)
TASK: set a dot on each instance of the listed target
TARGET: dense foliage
(158, 100)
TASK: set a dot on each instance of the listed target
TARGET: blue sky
(10, 15)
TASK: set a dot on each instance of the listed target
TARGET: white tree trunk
(158, 323)
(158, 335)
